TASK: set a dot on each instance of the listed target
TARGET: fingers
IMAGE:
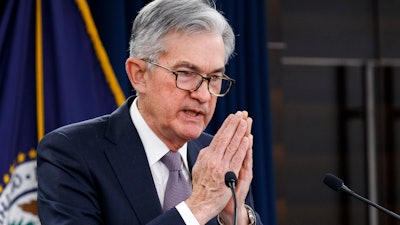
(230, 150)
(230, 136)
(249, 125)
(226, 129)
(233, 141)
(246, 172)
(238, 156)
(245, 177)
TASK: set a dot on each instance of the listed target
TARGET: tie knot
(172, 160)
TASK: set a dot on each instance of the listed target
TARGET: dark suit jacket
(96, 172)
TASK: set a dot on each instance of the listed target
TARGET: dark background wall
(323, 54)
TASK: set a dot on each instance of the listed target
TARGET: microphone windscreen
(230, 178)
(333, 182)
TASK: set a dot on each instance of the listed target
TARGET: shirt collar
(155, 149)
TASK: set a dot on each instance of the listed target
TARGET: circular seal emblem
(18, 204)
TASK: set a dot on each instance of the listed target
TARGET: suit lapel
(192, 154)
(129, 162)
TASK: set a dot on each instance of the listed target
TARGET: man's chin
(191, 134)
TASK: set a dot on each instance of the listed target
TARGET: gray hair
(160, 17)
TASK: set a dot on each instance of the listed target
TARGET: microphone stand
(337, 184)
(230, 181)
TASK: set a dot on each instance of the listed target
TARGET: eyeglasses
(218, 85)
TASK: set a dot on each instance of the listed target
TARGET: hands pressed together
(230, 150)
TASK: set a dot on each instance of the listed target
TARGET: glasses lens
(219, 86)
(191, 81)
(186, 80)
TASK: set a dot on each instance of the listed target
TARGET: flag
(53, 71)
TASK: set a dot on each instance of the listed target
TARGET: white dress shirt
(155, 149)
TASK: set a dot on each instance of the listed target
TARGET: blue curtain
(248, 67)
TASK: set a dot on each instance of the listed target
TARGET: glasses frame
(208, 79)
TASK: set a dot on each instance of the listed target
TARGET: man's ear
(135, 69)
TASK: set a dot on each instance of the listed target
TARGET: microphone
(337, 184)
(231, 181)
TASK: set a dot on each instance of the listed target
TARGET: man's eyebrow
(197, 68)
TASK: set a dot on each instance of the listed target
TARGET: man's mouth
(192, 113)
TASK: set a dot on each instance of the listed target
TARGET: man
(113, 169)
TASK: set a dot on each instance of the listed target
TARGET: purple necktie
(178, 189)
